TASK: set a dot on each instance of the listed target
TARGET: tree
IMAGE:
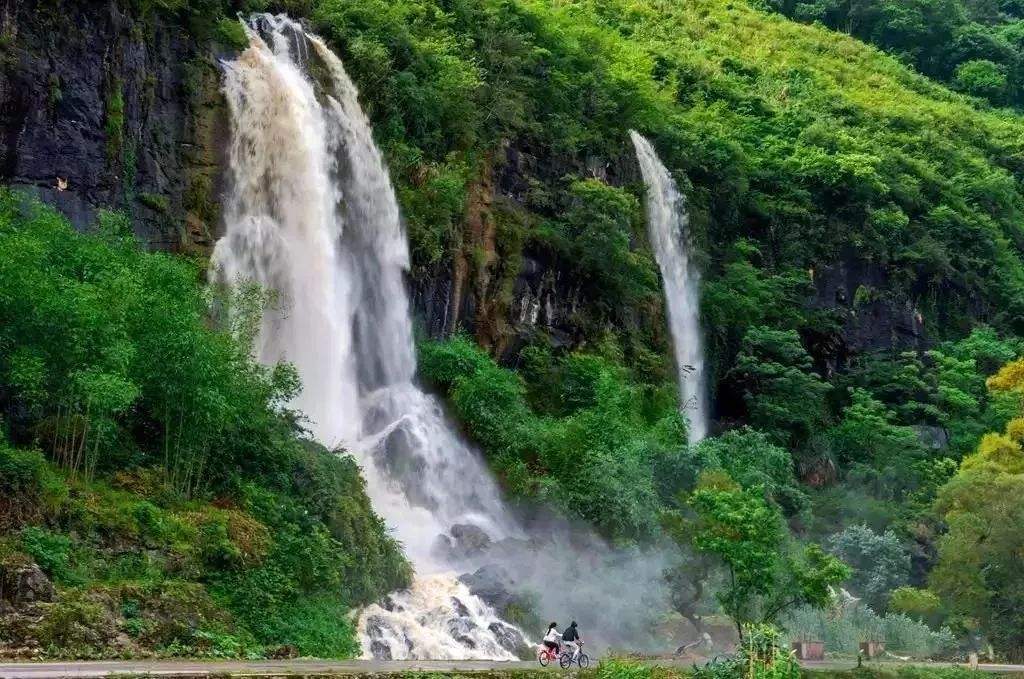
(753, 461)
(599, 224)
(978, 570)
(879, 561)
(783, 395)
(767, 572)
(944, 387)
(689, 579)
(868, 440)
(920, 604)
(981, 78)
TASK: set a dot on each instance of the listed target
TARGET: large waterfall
(312, 216)
(667, 225)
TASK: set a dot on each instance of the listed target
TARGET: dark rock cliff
(100, 108)
(869, 312)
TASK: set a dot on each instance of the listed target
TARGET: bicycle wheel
(543, 658)
(584, 661)
(565, 660)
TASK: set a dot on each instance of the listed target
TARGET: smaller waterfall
(667, 227)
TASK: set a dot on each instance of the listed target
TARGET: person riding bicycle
(552, 638)
(572, 639)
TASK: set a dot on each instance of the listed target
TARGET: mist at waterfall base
(311, 214)
(668, 231)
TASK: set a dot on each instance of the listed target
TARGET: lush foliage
(880, 562)
(750, 458)
(782, 393)
(856, 223)
(143, 414)
(979, 557)
(766, 574)
(843, 628)
(595, 455)
(783, 145)
(811, 163)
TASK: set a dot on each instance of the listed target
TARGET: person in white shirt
(552, 638)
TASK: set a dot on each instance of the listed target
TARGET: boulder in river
(490, 584)
(463, 541)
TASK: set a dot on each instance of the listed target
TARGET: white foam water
(435, 614)
(668, 230)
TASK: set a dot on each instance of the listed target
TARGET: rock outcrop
(121, 111)
(23, 583)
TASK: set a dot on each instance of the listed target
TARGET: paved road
(203, 668)
(850, 664)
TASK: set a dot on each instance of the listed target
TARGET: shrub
(317, 626)
(231, 33)
(880, 562)
(21, 471)
(29, 488)
(229, 539)
(79, 625)
(920, 604)
(843, 628)
(52, 551)
(595, 454)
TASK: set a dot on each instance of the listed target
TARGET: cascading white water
(312, 215)
(667, 228)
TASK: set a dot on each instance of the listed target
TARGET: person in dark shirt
(571, 639)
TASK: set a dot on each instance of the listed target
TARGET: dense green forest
(975, 47)
(150, 467)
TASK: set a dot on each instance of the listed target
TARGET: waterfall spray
(667, 227)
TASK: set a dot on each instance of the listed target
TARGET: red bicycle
(546, 655)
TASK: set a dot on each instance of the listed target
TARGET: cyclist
(552, 638)
(572, 639)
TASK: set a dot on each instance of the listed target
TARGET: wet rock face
(460, 608)
(510, 638)
(522, 163)
(375, 629)
(872, 317)
(544, 298)
(379, 650)
(119, 112)
(463, 541)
